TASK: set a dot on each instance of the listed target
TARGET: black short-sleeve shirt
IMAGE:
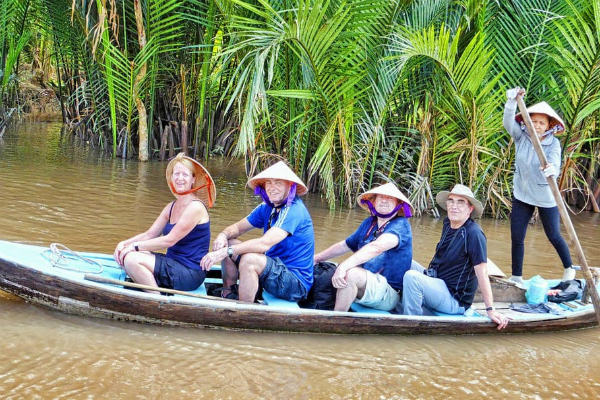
(457, 252)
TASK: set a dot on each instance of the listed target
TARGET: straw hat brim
(202, 177)
(280, 171)
(442, 196)
(388, 189)
(546, 109)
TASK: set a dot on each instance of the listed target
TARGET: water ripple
(53, 191)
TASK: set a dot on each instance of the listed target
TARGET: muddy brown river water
(52, 190)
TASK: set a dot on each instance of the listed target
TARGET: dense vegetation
(349, 92)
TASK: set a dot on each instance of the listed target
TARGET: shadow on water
(54, 190)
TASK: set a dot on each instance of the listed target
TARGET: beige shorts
(378, 293)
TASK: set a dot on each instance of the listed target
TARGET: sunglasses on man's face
(459, 203)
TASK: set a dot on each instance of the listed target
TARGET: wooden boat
(31, 272)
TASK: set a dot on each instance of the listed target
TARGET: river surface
(52, 190)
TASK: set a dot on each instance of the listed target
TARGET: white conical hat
(388, 189)
(207, 192)
(281, 171)
(544, 108)
(461, 190)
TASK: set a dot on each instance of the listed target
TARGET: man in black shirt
(459, 263)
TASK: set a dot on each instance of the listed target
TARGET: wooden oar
(590, 288)
(101, 279)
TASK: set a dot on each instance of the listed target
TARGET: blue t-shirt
(458, 251)
(392, 263)
(298, 248)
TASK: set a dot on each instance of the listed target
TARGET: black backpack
(322, 294)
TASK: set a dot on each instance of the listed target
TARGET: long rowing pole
(101, 279)
(590, 287)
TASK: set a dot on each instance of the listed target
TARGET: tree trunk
(593, 196)
(142, 128)
(171, 142)
(163, 141)
(184, 137)
(141, 108)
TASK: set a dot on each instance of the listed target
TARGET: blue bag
(536, 293)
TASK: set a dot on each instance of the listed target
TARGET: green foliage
(350, 92)
(14, 36)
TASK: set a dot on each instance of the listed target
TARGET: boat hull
(70, 292)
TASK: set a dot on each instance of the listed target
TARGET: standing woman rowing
(183, 228)
(530, 186)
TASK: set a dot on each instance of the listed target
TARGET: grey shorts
(378, 293)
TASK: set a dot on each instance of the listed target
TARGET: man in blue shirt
(459, 263)
(281, 260)
(382, 252)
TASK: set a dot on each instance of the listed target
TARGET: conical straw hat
(281, 171)
(207, 192)
(388, 189)
(544, 108)
(461, 190)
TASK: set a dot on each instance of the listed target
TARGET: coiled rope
(59, 256)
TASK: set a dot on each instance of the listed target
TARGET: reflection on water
(53, 191)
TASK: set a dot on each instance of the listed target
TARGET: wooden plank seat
(201, 290)
(367, 310)
(441, 314)
(271, 300)
(114, 273)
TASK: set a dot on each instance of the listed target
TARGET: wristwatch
(230, 251)
(490, 308)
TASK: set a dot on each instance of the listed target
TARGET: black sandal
(232, 293)
(128, 279)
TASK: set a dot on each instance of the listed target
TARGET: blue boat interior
(72, 267)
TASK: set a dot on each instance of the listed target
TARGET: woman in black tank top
(182, 228)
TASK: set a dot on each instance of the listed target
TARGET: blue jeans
(519, 219)
(421, 294)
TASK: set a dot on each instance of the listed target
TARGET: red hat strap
(193, 190)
